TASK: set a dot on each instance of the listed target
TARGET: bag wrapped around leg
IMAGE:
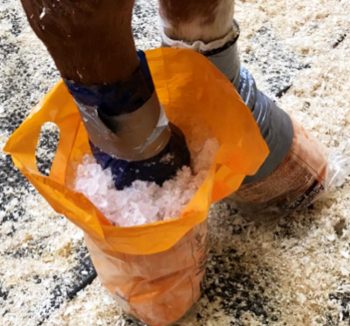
(155, 269)
(155, 288)
(294, 185)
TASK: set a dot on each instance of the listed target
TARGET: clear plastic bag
(338, 167)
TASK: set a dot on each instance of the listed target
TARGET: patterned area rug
(292, 271)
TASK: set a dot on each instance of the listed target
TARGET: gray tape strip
(136, 136)
(226, 63)
(275, 124)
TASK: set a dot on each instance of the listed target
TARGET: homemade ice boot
(128, 129)
(294, 172)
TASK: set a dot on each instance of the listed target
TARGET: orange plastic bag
(155, 269)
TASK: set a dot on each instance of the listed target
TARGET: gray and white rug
(292, 271)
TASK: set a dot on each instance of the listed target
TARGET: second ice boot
(294, 172)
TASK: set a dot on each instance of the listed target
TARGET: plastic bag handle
(26, 138)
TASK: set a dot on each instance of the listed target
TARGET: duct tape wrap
(124, 119)
(223, 60)
(275, 124)
(128, 129)
(134, 136)
(226, 58)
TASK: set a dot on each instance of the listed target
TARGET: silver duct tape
(136, 136)
(247, 88)
(275, 124)
(227, 65)
(277, 129)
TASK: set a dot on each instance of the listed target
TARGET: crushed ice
(143, 202)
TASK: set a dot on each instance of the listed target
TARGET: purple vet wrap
(128, 129)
